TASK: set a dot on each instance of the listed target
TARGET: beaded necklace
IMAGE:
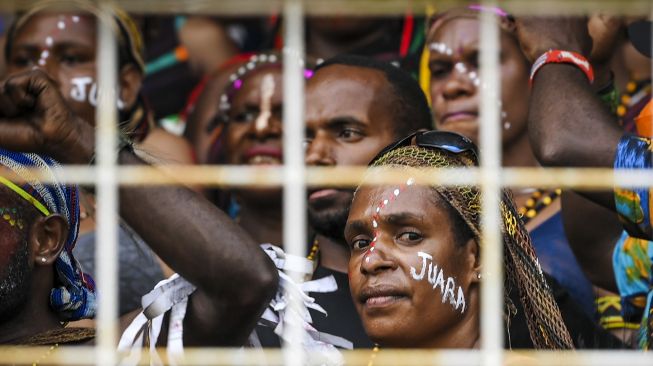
(537, 202)
(635, 91)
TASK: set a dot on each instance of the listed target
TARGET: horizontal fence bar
(257, 176)
(385, 357)
(360, 7)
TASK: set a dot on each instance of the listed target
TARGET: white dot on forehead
(49, 41)
(396, 192)
(410, 181)
(75, 19)
(61, 24)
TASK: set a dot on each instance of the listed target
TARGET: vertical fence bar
(492, 253)
(294, 196)
(106, 247)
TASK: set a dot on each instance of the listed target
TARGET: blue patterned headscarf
(73, 296)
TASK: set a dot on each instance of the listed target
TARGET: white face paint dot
(45, 54)
(371, 249)
(41, 62)
(273, 58)
(375, 224)
(75, 19)
(385, 202)
(367, 260)
(460, 67)
(378, 209)
(49, 42)
(410, 181)
(396, 192)
(477, 82)
(61, 24)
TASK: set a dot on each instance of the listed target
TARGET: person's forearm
(568, 123)
(195, 238)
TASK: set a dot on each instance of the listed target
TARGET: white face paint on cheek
(85, 90)
(449, 292)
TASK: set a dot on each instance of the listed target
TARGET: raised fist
(34, 117)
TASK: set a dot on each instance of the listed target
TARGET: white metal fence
(294, 176)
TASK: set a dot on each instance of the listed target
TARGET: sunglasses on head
(444, 140)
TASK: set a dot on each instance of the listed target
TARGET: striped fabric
(73, 297)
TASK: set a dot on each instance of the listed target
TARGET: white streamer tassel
(172, 295)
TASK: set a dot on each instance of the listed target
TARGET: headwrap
(138, 120)
(73, 295)
(545, 324)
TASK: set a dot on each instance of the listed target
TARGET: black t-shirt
(342, 320)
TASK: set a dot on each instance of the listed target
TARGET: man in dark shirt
(355, 106)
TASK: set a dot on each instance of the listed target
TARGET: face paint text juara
(85, 90)
(436, 277)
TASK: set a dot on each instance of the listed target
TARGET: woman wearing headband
(415, 268)
(453, 44)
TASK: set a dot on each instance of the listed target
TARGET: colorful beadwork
(537, 202)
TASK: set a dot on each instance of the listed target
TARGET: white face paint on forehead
(436, 277)
(267, 92)
(377, 211)
(473, 76)
(84, 90)
(46, 52)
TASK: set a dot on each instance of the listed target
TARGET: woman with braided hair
(415, 268)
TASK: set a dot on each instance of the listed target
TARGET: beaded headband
(236, 79)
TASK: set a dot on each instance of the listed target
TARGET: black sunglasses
(445, 140)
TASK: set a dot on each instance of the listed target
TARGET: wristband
(562, 57)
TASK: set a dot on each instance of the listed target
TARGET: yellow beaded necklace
(537, 202)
